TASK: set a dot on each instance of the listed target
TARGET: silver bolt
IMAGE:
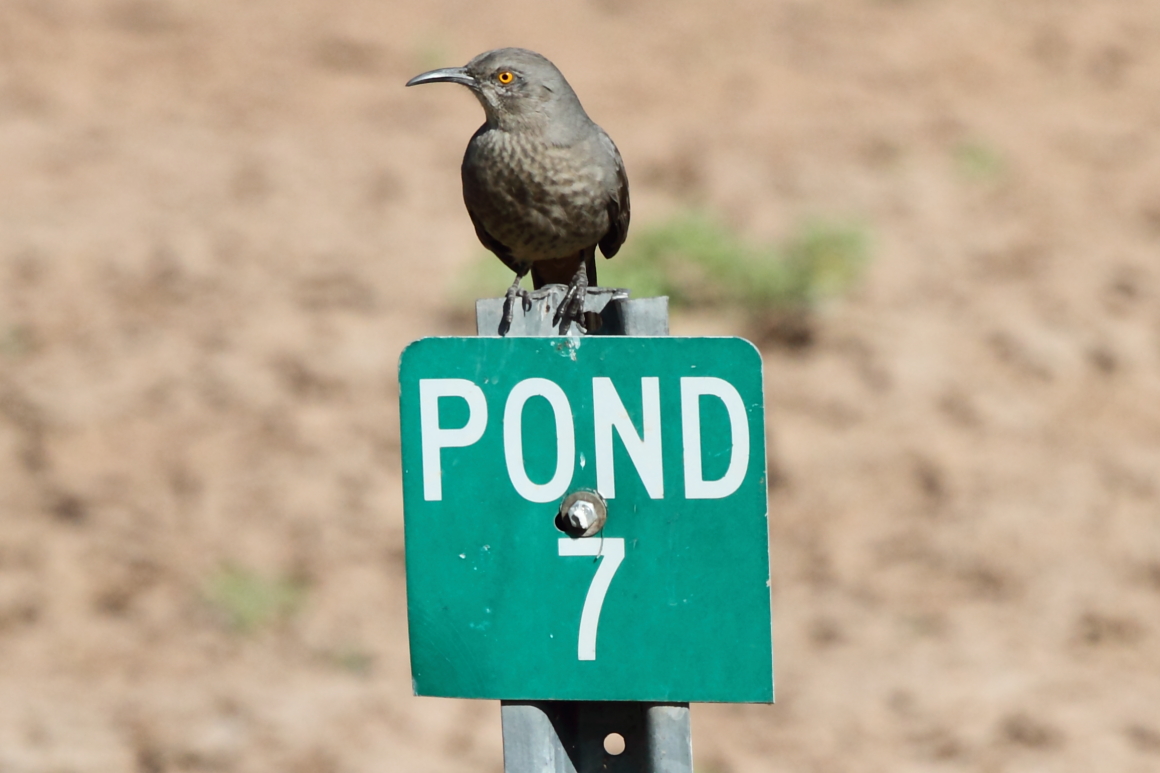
(583, 513)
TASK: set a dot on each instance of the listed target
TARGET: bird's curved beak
(446, 75)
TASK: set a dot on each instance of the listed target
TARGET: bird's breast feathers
(534, 197)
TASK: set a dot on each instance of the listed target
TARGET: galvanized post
(569, 736)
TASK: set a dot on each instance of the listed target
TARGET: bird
(543, 184)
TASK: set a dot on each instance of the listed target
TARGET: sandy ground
(220, 223)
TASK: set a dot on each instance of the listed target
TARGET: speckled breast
(533, 197)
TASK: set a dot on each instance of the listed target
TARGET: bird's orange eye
(505, 77)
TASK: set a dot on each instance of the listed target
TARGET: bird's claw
(509, 306)
(570, 311)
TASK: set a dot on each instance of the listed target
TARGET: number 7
(612, 549)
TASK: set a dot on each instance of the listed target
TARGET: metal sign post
(568, 736)
(586, 533)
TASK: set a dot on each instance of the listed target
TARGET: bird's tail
(562, 270)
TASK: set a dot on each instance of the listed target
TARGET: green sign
(670, 602)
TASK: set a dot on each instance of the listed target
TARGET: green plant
(248, 601)
(430, 51)
(978, 161)
(16, 342)
(700, 263)
(352, 659)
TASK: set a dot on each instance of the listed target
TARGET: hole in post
(564, 526)
(593, 322)
(614, 744)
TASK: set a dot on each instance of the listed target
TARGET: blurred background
(220, 223)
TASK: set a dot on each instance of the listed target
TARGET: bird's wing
(501, 251)
(618, 211)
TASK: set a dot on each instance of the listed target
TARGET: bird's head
(517, 88)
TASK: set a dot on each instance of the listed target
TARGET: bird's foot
(571, 308)
(509, 304)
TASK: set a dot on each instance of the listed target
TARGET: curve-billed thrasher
(543, 183)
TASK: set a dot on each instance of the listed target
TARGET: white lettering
(612, 551)
(644, 450)
(513, 440)
(692, 389)
(435, 438)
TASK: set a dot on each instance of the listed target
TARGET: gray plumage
(543, 184)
